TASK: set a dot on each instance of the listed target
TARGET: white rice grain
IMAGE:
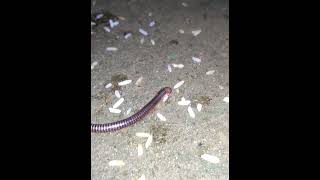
(143, 134)
(140, 150)
(210, 72)
(184, 4)
(210, 158)
(111, 23)
(197, 60)
(94, 65)
(196, 32)
(117, 93)
(125, 82)
(128, 35)
(161, 117)
(180, 66)
(142, 40)
(152, 42)
(142, 31)
(142, 177)
(199, 107)
(191, 113)
(169, 68)
(178, 85)
(226, 99)
(184, 102)
(116, 23)
(106, 29)
(118, 103)
(93, 23)
(181, 31)
(111, 49)
(108, 85)
(99, 16)
(113, 110)
(152, 23)
(149, 141)
(116, 163)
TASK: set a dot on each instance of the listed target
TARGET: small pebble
(139, 81)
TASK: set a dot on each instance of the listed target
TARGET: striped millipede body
(113, 126)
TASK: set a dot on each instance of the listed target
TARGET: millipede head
(168, 90)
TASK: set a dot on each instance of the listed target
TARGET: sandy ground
(179, 142)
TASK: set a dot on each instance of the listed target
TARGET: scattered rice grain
(210, 158)
(116, 163)
(142, 31)
(149, 141)
(191, 113)
(111, 49)
(125, 82)
(142, 134)
(178, 85)
(118, 103)
(161, 117)
(108, 85)
(117, 93)
(210, 72)
(113, 110)
(199, 107)
(140, 150)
